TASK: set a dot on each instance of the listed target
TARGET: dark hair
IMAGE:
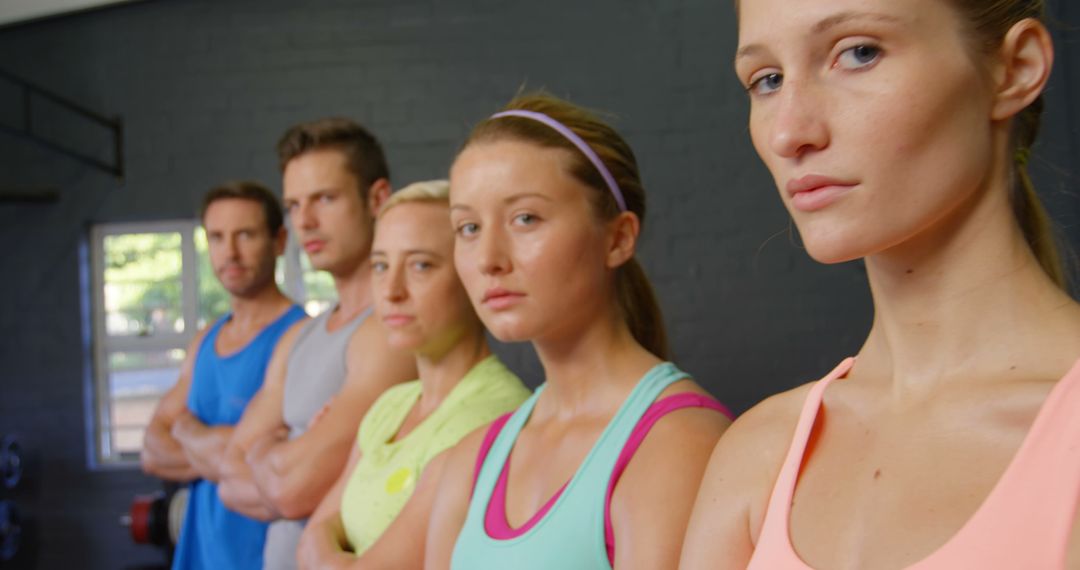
(247, 190)
(363, 154)
(634, 293)
(989, 21)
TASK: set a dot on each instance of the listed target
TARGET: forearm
(239, 493)
(163, 456)
(295, 475)
(323, 545)
(204, 446)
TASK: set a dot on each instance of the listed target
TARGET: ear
(622, 238)
(378, 194)
(1025, 57)
(280, 240)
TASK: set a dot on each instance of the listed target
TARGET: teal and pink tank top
(573, 530)
(1025, 521)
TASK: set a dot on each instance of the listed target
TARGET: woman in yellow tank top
(377, 511)
(899, 132)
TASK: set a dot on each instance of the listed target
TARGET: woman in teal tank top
(376, 513)
(548, 205)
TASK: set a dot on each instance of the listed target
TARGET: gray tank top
(315, 373)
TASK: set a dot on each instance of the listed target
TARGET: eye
(378, 266)
(421, 265)
(467, 229)
(766, 84)
(858, 57)
(525, 219)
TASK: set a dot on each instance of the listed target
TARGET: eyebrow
(833, 21)
(823, 26)
(509, 199)
(409, 252)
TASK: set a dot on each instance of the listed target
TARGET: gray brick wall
(205, 87)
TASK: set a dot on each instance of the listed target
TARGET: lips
(397, 319)
(498, 298)
(314, 245)
(232, 271)
(814, 192)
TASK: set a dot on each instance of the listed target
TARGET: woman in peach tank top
(899, 132)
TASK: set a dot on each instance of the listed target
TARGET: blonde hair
(634, 294)
(426, 191)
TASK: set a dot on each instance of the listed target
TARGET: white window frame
(99, 420)
(101, 423)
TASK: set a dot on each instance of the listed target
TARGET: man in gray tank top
(295, 437)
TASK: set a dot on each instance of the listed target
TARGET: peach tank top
(1025, 521)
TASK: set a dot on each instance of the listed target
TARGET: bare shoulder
(462, 457)
(288, 338)
(763, 434)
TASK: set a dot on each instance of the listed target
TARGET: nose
(394, 289)
(304, 216)
(232, 247)
(798, 121)
(492, 258)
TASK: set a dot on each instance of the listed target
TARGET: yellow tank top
(388, 470)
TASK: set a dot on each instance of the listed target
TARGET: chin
(831, 247)
(508, 330)
(403, 341)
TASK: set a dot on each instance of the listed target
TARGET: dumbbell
(11, 462)
(157, 518)
(10, 531)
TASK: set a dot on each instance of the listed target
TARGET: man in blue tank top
(287, 452)
(224, 367)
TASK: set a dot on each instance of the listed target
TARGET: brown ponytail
(633, 292)
(1034, 221)
(989, 22)
(641, 309)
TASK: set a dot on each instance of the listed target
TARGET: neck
(354, 289)
(966, 301)
(590, 367)
(259, 307)
(442, 371)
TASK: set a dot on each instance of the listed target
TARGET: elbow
(146, 461)
(291, 501)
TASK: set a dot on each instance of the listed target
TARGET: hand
(262, 445)
(184, 424)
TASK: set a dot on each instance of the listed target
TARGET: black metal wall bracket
(115, 125)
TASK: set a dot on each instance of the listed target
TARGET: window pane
(137, 380)
(213, 299)
(142, 284)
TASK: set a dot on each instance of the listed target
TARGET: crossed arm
(324, 545)
(237, 488)
(165, 455)
(292, 476)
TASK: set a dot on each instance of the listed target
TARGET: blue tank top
(221, 387)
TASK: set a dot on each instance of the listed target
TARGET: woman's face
(872, 115)
(528, 246)
(418, 296)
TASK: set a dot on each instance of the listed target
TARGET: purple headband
(579, 143)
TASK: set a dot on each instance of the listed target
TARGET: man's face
(242, 251)
(331, 220)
